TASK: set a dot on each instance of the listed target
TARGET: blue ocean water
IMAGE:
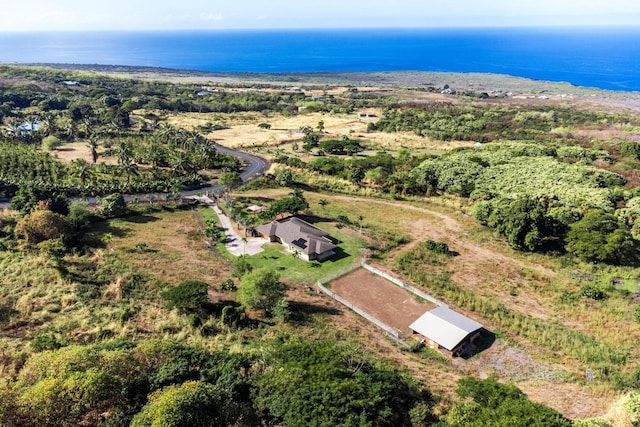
(607, 58)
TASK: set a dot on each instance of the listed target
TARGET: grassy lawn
(295, 270)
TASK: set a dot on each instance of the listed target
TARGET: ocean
(602, 57)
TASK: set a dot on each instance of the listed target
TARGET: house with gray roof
(298, 235)
(446, 330)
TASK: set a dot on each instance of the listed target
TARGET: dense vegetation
(486, 123)
(163, 382)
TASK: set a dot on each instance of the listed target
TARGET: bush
(112, 206)
(232, 316)
(636, 314)
(241, 266)
(495, 404)
(438, 247)
(592, 291)
(50, 143)
(188, 296)
(228, 285)
(41, 225)
(45, 341)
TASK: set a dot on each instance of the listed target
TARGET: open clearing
(382, 299)
(243, 131)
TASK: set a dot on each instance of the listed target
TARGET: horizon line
(355, 28)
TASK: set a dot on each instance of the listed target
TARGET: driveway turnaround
(233, 241)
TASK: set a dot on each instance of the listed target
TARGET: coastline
(412, 80)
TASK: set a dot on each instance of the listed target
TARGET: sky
(82, 15)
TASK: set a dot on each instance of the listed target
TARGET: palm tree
(93, 145)
(296, 255)
(129, 169)
(80, 168)
(180, 162)
(124, 153)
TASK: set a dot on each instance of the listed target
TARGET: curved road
(255, 166)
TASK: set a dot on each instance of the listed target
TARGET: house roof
(256, 208)
(299, 234)
(445, 326)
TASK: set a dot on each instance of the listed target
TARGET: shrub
(188, 296)
(112, 206)
(241, 266)
(41, 225)
(228, 285)
(592, 291)
(45, 341)
(438, 247)
(50, 143)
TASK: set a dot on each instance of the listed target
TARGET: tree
(310, 141)
(284, 177)
(324, 384)
(292, 204)
(261, 289)
(599, 237)
(230, 180)
(524, 222)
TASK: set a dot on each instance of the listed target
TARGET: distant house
(298, 235)
(255, 209)
(446, 330)
(25, 128)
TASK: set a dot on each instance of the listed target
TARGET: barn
(446, 330)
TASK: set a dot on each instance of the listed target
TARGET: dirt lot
(380, 298)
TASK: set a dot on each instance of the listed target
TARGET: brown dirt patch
(382, 299)
(79, 150)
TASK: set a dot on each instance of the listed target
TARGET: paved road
(255, 166)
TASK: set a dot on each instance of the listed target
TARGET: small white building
(446, 330)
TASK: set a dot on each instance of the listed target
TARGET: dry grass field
(175, 249)
(243, 130)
